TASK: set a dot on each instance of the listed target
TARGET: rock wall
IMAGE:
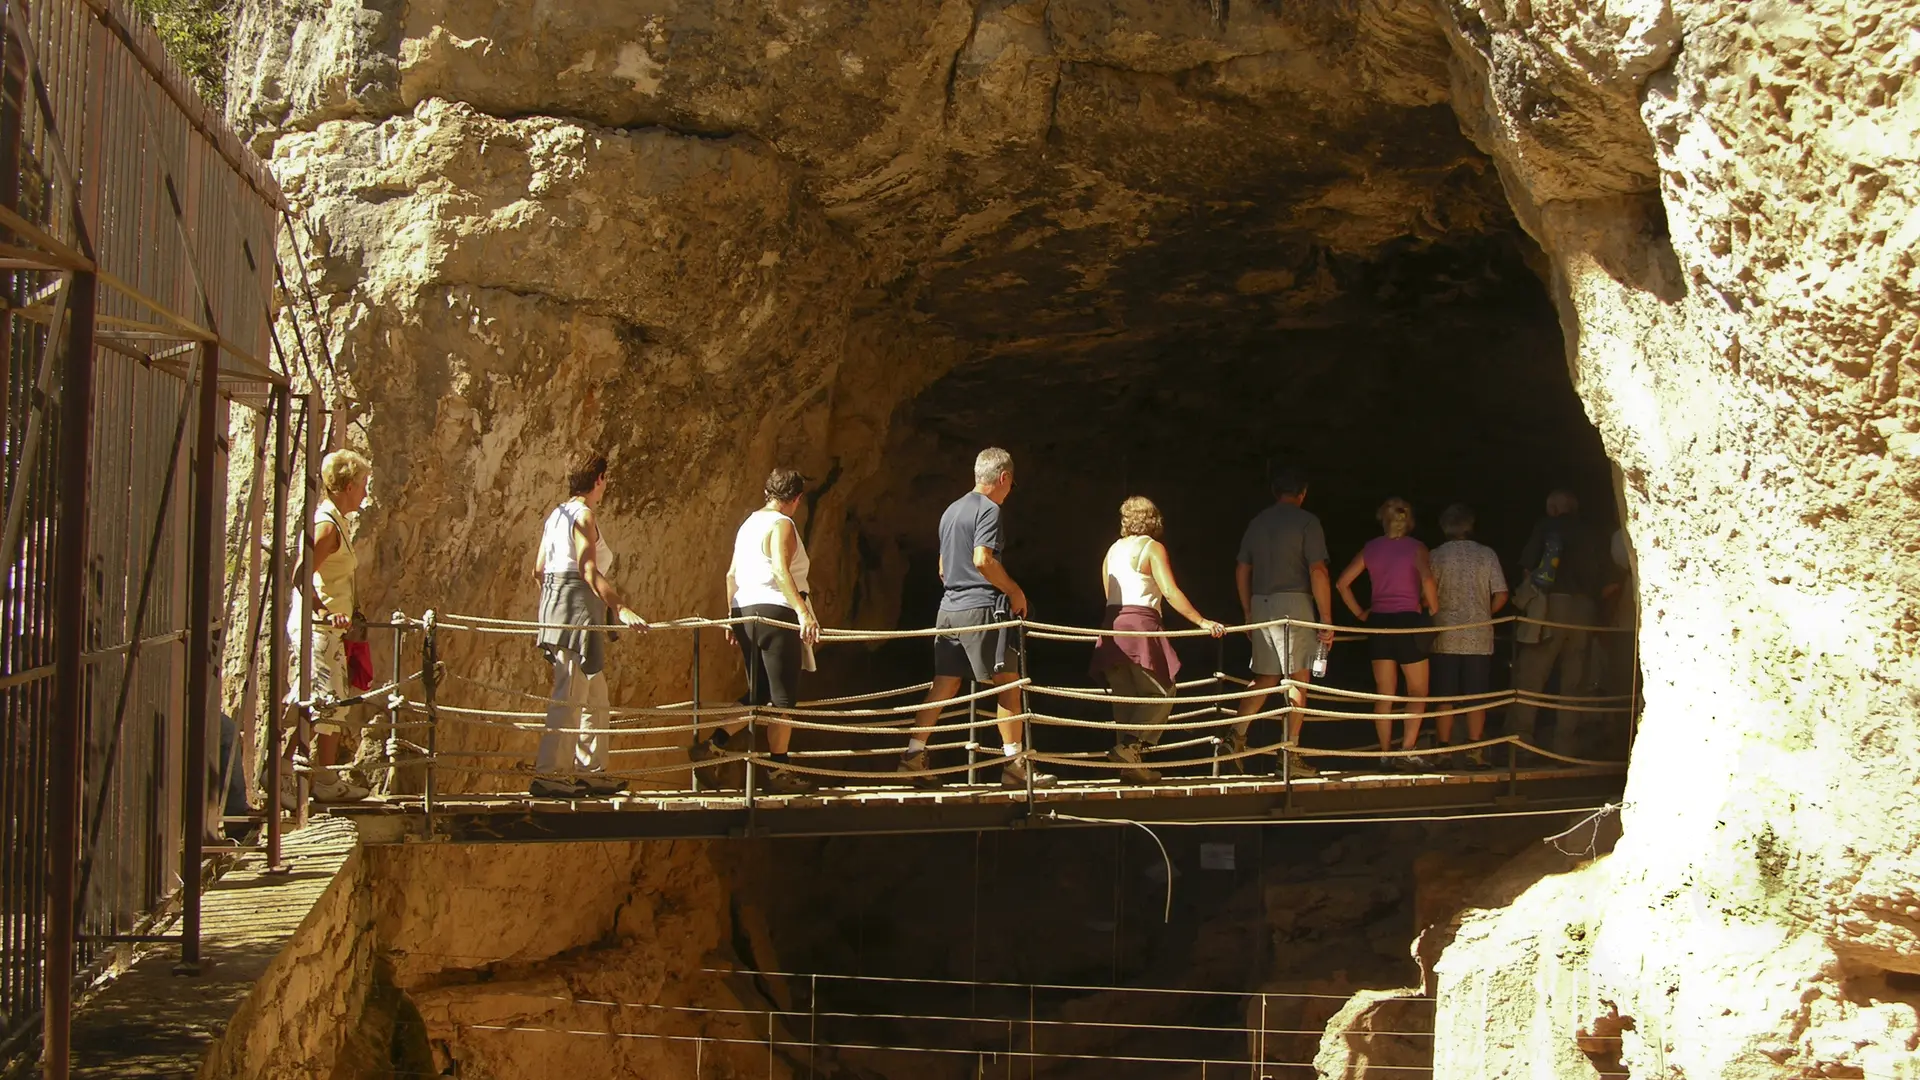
(1726, 193)
(714, 236)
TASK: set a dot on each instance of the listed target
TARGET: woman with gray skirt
(572, 563)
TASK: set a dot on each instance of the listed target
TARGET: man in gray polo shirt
(1282, 574)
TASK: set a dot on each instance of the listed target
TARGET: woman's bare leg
(1417, 689)
(1386, 679)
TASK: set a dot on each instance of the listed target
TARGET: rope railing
(644, 743)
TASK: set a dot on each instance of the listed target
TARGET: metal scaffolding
(137, 245)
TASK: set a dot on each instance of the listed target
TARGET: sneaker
(1415, 763)
(1297, 766)
(788, 782)
(599, 785)
(917, 765)
(1477, 758)
(341, 788)
(564, 787)
(1014, 775)
(1236, 743)
(703, 750)
(1128, 754)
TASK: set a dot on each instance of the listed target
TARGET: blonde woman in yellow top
(344, 476)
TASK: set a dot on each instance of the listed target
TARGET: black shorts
(979, 655)
(1399, 648)
(772, 655)
(1459, 674)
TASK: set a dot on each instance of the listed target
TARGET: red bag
(360, 664)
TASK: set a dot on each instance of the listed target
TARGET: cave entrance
(1431, 370)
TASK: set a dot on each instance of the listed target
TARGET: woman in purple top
(1404, 592)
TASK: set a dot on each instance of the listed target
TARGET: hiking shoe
(788, 782)
(340, 788)
(1477, 758)
(1415, 763)
(1129, 754)
(599, 785)
(1014, 775)
(556, 787)
(1236, 743)
(1298, 767)
(703, 750)
(916, 765)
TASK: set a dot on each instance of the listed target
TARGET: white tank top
(1129, 581)
(556, 542)
(752, 567)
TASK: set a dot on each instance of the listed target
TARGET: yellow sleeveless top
(333, 578)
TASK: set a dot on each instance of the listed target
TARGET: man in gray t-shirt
(977, 599)
(1282, 574)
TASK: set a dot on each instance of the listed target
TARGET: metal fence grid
(137, 246)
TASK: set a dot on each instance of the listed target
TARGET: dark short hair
(1288, 480)
(585, 470)
(1457, 521)
(784, 484)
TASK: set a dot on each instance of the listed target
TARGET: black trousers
(772, 656)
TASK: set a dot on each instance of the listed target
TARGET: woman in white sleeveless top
(768, 578)
(1137, 577)
(572, 562)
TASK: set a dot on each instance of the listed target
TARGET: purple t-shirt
(1393, 566)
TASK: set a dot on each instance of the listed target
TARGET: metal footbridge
(460, 749)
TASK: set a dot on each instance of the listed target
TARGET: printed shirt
(1469, 575)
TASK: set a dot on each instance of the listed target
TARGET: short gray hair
(991, 464)
(1457, 521)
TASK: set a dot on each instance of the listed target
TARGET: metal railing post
(1030, 728)
(1513, 769)
(69, 702)
(429, 694)
(277, 656)
(693, 767)
(193, 794)
(749, 761)
(310, 603)
(973, 762)
(391, 751)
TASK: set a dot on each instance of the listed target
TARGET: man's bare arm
(989, 566)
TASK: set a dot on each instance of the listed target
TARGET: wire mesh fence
(136, 243)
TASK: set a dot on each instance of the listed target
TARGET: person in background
(1471, 587)
(344, 478)
(572, 562)
(768, 579)
(978, 592)
(1136, 577)
(1401, 575)
(1281, 573)
(1565, 562)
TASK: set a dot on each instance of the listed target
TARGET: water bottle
(1319, 668)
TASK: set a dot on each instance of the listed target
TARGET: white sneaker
(340, 788)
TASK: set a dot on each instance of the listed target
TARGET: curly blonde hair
(340, 469)
(1395, 516)
(1139, 517)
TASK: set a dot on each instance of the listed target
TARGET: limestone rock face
(713, 236)
(1741, 330)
